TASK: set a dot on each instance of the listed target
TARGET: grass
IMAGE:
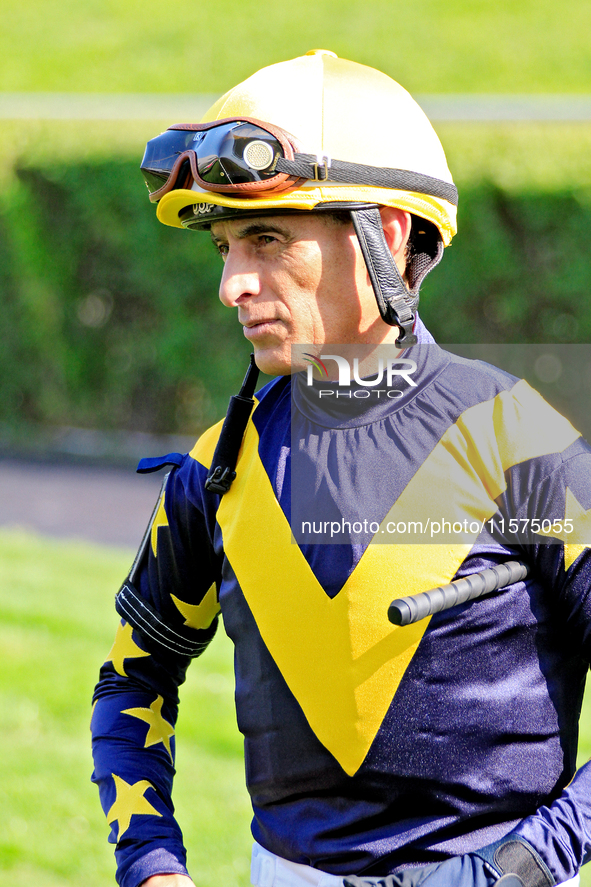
(56, 625)
(460, 46)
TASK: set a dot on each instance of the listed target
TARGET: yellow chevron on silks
(340, 657)
(200, 615)
(465, 472)
(574, 531)
(526, 427)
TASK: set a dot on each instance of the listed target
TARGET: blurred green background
(110, 321)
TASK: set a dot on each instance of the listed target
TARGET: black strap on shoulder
(323, 169)
(158, 636)
(223, 465)
(397, 305)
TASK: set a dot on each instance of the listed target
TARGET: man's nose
(239, 282)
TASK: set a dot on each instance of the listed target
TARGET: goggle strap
(308, 166)
(396, 304)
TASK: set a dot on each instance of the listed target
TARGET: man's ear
(397, 224)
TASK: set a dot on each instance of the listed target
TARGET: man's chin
(273, 362)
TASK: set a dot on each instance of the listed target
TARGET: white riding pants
(269, 870)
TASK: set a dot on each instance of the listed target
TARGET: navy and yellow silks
(345, 707)
(305, 631)
(367, 746)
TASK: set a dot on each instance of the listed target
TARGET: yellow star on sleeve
(160, 520)
(123, 648)
(200, 615)
(129, 801)
(159, 729)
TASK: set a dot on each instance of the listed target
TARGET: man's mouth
(254, 328)
(252, 322)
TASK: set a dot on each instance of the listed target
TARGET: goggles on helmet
(226, 155)
(247, 156)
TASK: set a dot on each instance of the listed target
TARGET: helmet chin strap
(396, 303)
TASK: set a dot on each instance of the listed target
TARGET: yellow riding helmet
(336, 110)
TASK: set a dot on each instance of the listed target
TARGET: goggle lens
(232, 153)
(161, 155)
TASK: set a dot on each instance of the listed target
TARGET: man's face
(296, 280)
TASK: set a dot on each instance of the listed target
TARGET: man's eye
(267, 238)
(222, 249)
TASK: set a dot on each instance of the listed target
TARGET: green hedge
(110, 320)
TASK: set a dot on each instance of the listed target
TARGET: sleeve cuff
(156, 862)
